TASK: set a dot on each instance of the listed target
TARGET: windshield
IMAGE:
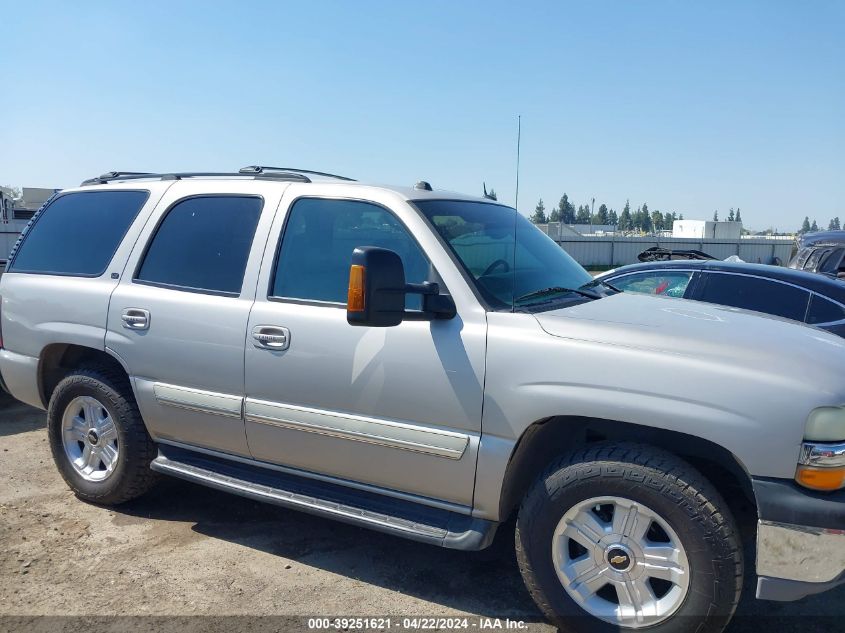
(511, 261)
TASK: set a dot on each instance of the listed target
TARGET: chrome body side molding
(389, 433)
(198, 400)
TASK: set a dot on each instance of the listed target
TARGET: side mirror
(377, 291)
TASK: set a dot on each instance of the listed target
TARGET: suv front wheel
(98, 439)
(624, 536)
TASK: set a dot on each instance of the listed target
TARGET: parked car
(429, 364)
(822, 252)
(792, 294)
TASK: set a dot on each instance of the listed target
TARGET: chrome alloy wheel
(620, 561)
(89, 437)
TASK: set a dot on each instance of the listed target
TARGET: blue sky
(688, 106)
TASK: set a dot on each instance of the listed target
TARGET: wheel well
(59, 359)
(543, 441)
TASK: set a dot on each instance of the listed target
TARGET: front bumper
(800, 540)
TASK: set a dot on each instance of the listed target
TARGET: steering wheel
(499, 263)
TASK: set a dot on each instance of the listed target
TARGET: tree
(554, 216)
(15, 191)
(680, 217)
(731, 216)
(716, 216)
(645, 220)
(625, 223)
(834, 224)
(539, 216)
(612, 218)
(657, 220)
(805, 226)
(602, 216)
(738, 216)
(565, 210)
(583, 216)
(668, 220)
(814, 227)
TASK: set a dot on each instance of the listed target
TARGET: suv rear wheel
(98, 439)
(624, 536)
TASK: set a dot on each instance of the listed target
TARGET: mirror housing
(377, 290)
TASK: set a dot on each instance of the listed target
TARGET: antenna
(516, 213)
(518, 140)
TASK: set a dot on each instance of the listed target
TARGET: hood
(703, 330)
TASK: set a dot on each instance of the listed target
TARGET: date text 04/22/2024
(415, 623)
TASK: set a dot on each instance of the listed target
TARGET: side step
(368, 509)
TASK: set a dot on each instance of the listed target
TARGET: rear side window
(203, 244)
(824, 311)
(78, 233)
(754, 293)
(668, 282)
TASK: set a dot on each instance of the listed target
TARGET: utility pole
(518, 140)
(592, 211)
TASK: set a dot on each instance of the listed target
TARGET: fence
(9, 234)
(612, 250)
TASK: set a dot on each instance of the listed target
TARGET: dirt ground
(184, 550)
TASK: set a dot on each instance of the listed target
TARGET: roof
(822, 238)
(282, 175)
(813, 281)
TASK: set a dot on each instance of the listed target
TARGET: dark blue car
(811, 298)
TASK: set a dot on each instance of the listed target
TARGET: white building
(707, 229)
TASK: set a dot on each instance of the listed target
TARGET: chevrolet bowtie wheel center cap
(619, 559)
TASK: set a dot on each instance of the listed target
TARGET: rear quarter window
(824, 311)
(77, 233)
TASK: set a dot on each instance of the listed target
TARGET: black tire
(131, 476)
(670, 487)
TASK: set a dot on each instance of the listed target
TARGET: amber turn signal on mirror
(355, 297)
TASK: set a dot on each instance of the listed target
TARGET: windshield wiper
(590, 294)
(608, 285)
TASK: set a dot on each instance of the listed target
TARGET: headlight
(826, 424)
(821, 465)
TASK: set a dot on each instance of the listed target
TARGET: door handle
(135, 319)
(271, 337)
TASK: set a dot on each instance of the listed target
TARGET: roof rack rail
(114, 175)
(111, 176)
(260, 169)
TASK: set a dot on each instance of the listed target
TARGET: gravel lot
(183, 550)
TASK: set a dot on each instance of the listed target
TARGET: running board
(367, 509)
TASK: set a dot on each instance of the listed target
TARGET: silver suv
(429, 365)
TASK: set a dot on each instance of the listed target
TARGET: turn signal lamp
(826, 479)
(821, 464)
(355, 298)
